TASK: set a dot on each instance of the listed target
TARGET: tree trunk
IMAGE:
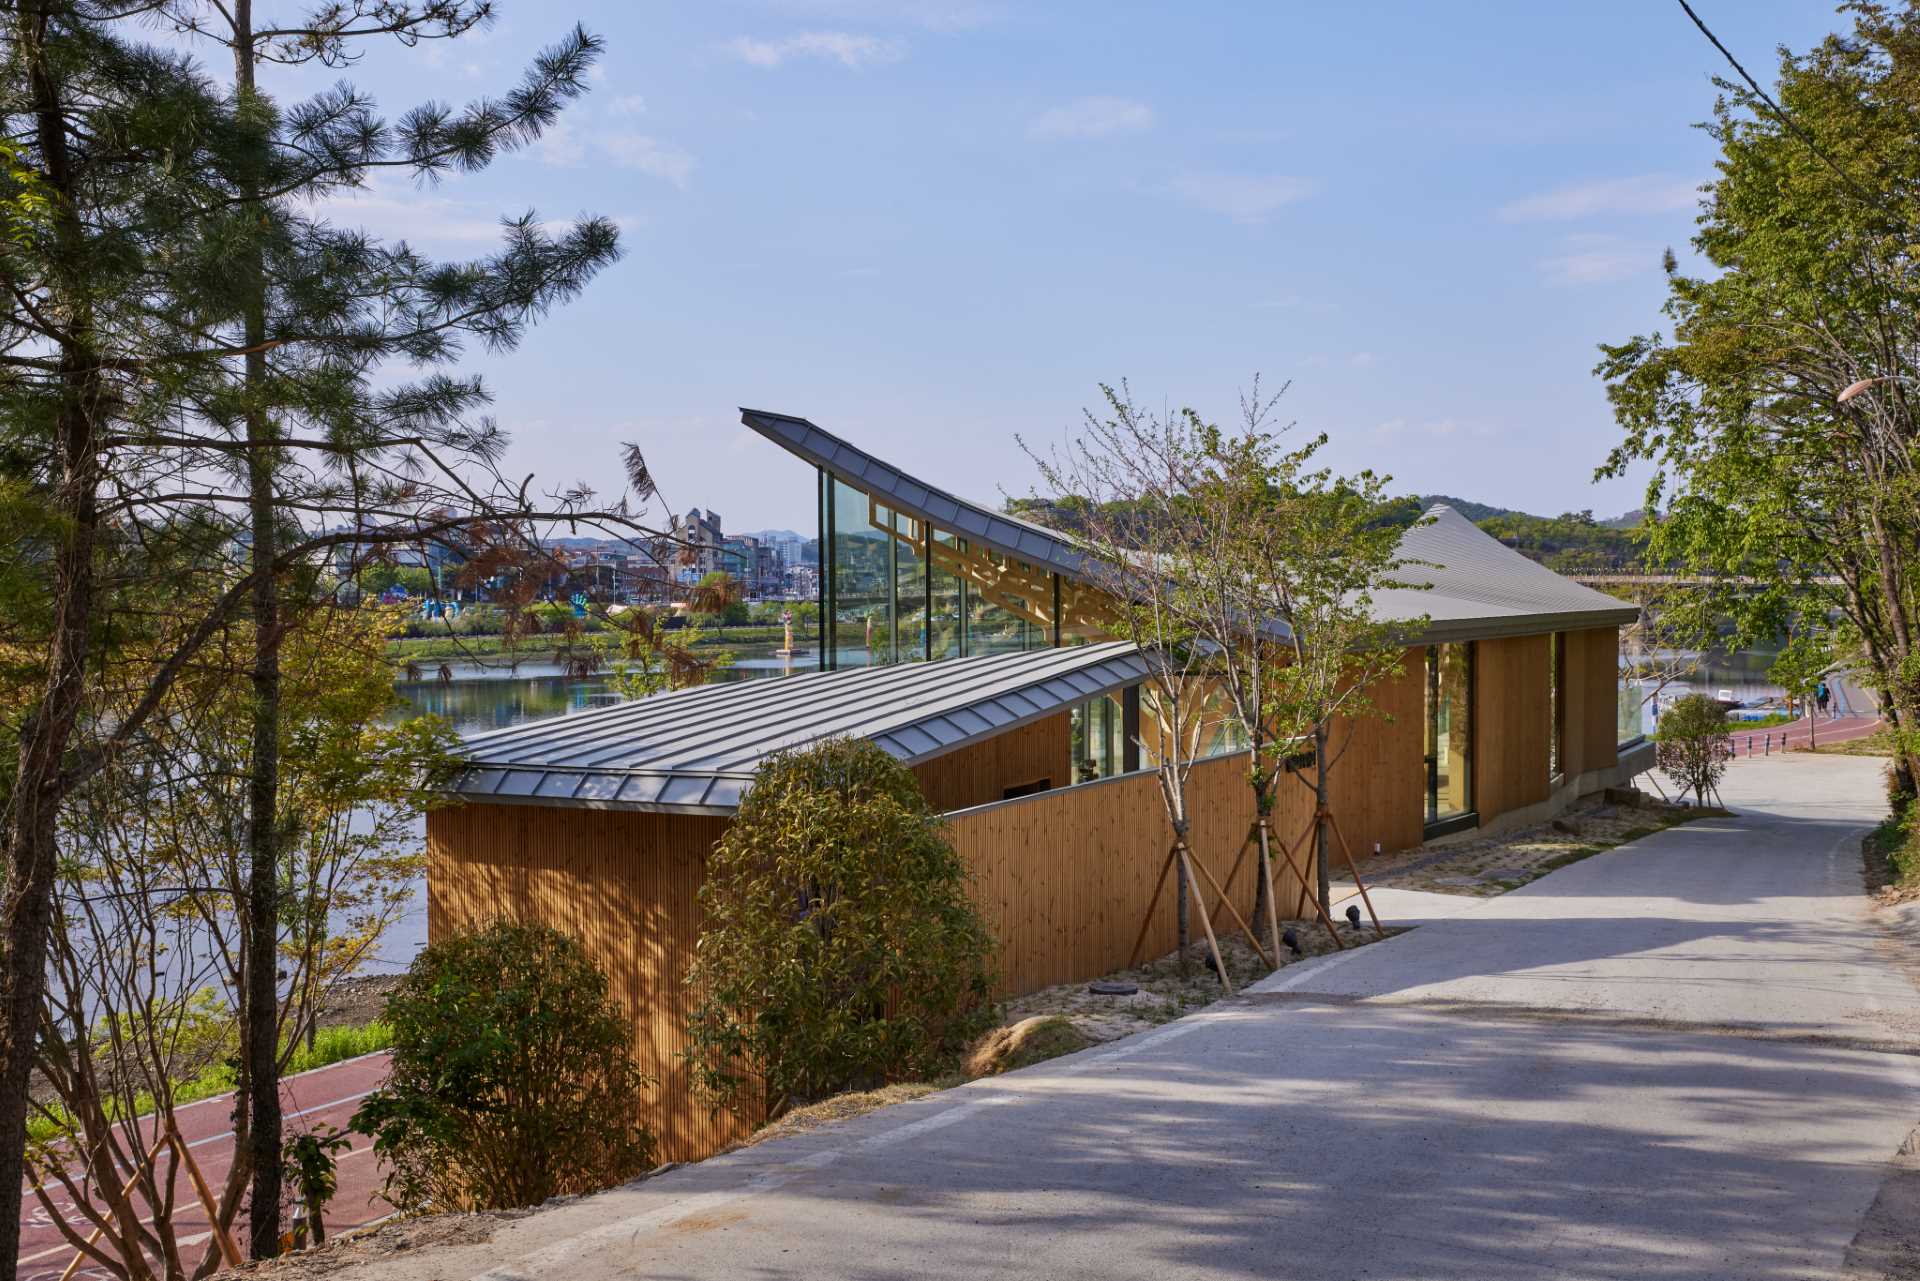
(1320, 795)
(262, 1004)
(26, 909)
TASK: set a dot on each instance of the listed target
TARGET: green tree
(159, 437)
(1801, 668)
(149, 961)
(839, 949)
(1692, 747)
(1801, 503)
(512, 1077)
(1121, 491)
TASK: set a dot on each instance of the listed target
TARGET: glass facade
(894, 590)
(1099, 739)
(1449, 731)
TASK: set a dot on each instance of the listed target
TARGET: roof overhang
(671, 753)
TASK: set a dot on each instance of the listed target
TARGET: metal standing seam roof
(1480, 587)
(695, 751)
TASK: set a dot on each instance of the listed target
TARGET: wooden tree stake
(1234, 911)
(1206, 922)
(1355, 869)
(228, 1250)
(1133, 957)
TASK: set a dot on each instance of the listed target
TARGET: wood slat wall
(1512, 724)
(1593, 691)
(1064, 880)
(980, 773)
(624, 885)
(1378, 785)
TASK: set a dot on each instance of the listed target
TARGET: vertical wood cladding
(1064, 880)
(622, 883)
(1593, 692)
(1512, 724)
(1378, 792)
(980, 773)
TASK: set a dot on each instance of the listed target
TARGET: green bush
(512, 1078)
(1692, 747)
(840, 950)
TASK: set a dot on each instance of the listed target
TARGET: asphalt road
(327, 1096)
(1689, 1058)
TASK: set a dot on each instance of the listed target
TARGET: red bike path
(324, 1096)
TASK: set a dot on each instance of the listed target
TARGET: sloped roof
(1008, 535)
(1480, 587)
(694, 751)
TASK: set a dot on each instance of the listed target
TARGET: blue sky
(932, 226)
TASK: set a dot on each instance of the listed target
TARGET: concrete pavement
(1686, 1058)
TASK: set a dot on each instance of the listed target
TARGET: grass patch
(330, 1045)
(1878, 743)
(1023, 1044)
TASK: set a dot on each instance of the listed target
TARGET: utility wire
(1780, 113)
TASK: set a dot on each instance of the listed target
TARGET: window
(947, 598)
(863, 574)
(910, 637)
(1099, 739)
(1449, 735)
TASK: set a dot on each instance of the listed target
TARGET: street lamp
(1854, 389)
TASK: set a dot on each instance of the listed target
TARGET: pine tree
(190, 365)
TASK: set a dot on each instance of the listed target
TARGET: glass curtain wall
(895, 590)
(861, 592)
(1449, 731)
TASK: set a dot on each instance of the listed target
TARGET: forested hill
(1568, 543)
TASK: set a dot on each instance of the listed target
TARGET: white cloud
(934, 15)
(1362, 359)
(1281, 303)
(631, 104)
(649, 155)
(1644, 194)
(1599, 260)
(392, 209)
(568, 147)
(1246, 198)
(561, 145)
(844, 47)
(1095, 117)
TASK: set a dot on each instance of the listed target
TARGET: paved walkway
(1686, 1058)
(1802, 734)
(327, 1096)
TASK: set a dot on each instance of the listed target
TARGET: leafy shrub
(1692, 747)
(839, 950)
(513, 1077)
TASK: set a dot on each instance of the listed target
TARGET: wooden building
(961, 641)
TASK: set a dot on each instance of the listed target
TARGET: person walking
(1820, 696)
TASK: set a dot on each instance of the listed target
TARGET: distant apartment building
(699, 545)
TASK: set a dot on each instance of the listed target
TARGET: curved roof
(694, 751)
(1480, 587)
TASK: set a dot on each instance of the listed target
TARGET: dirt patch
(1494, 865)
(844, 1107)
(356, 1002)
(383, 1241)
(1166, 989)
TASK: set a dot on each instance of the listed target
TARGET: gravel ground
(1497, 864)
